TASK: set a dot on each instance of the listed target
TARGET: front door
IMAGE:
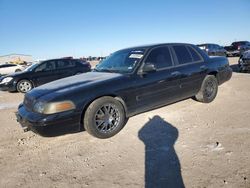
(157, 88)
(44, 73)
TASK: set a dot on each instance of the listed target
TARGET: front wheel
(104, 117)
(24, 86)
(209, 89)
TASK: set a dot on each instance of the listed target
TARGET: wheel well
(214, 73)
(87, 105)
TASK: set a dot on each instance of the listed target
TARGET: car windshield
(123, 61)
(30, 68)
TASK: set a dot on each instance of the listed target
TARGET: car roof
(207, 44)
(148, 46)
(59, 59)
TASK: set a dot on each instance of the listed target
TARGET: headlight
(6, 80)
(54, 107)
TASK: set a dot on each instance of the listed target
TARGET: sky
(58, 28)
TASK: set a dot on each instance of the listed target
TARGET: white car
(10, 68)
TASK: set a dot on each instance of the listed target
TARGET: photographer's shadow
(162, 166)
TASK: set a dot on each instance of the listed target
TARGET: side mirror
(147, 68)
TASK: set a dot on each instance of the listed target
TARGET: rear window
(195, 55)
(81, 62)
(182, 54)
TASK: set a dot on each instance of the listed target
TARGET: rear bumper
(225, 75)
(44, 124)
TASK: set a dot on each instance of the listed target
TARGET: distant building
(15, 58)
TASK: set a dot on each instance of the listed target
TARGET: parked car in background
(42, 73)
(244, 62)
(213, 49)
(237, 48)
(126, 83)
(10, 68)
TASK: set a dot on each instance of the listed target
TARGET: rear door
(191, 67)
(44, 73)
(160, 87)
(65, 68)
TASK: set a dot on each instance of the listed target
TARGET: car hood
(73, 83)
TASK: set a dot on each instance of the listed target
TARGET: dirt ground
(184, 144)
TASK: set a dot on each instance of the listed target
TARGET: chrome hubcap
(210, 88)
(107, 118)
(25, 86)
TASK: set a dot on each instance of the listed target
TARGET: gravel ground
(184, 144)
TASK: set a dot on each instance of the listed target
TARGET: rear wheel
(104, 117)
(209, 89)
(24, 86)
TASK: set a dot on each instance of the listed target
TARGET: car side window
(46, 66)
(160, 57)
(182, 54)
(62, 64)
(210, 46)
(195, 55)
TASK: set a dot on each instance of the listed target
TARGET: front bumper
(44, 124)
(8, 86)
(244, 65)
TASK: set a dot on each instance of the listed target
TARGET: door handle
(175, 74)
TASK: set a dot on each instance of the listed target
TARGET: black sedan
(42, 73)
(213, 49)
(244, 62)
(126, 83)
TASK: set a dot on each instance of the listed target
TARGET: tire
(104, 117)
(24, 86)
(208, 91)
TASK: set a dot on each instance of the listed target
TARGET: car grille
(28, 102)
